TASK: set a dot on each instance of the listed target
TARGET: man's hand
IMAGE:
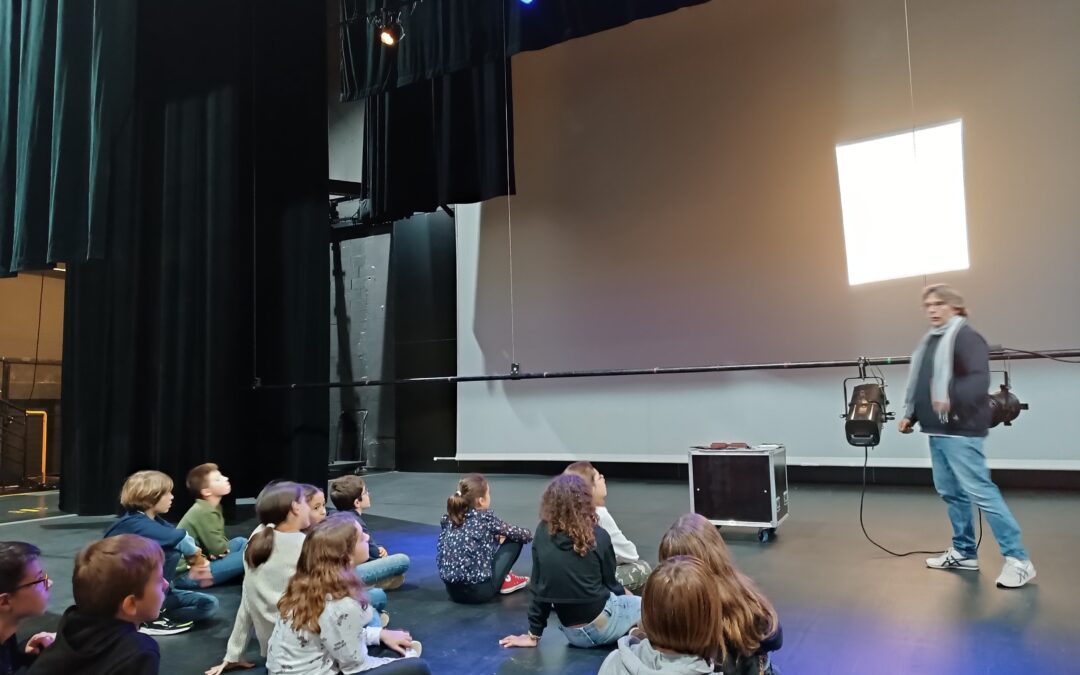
(40, 641)
(906, 426)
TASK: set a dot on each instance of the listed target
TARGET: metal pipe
(44, 438)
(998, 355)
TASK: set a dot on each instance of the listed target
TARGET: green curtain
(66, 98)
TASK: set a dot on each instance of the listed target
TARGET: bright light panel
(903, 204)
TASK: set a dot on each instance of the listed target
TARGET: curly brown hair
(323, 573)
(567, 506)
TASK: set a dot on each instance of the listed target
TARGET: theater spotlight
(391, 32)
(867, 410)
(1004, 405)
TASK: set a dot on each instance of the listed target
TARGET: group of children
(313, 590)
(314, 585)
(696, 612)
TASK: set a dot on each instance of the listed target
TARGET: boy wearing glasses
(24, 594)
(382, 570)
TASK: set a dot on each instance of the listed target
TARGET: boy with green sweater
(206, 524)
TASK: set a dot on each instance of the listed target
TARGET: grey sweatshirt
(634, 657)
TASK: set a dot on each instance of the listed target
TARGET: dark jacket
(91, 645)
(159, 530)
(561, 577)
(969, 390)
(13, 657)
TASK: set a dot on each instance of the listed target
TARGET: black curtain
(440, 141)
(444, 36)
(66, 97)
(215, 272)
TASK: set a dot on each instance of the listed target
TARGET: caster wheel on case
(766, 534)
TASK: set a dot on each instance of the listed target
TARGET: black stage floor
(846, 607)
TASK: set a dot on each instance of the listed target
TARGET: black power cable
(862, 525)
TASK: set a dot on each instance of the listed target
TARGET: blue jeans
(224, 569)
(962, 478)
(377, 598)
(183, 606)
(382, 568)
(620, 614)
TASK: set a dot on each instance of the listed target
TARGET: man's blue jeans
(962, 478)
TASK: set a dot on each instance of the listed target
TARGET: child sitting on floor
(476, 549)
(680, 613)
(316, 501)
(324, 626)
(147, 495)
(382, 569)
(574, 572)
(750, 628)
(205, 523)
(632, 571)
(118, 585)
(24, 593)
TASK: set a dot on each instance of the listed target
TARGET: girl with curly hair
(749, 626)
(574, 572)
(324, 626)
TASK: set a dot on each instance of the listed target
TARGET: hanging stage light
(1004, 406)
(390, 31)
(866, 409)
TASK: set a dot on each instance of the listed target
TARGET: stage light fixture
(867, 409)
(390, 31)
(1004, 405)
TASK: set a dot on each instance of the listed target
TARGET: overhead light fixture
(866, 409)
(390, 31)
(1004, 405)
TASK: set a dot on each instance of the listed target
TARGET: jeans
(382, 568)
(620, 614)
(377, 598)
(224, 569)
(184, 606)
(501, 563)
(962, 478)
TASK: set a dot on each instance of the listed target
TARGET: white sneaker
(1015, 573)
(952, 560)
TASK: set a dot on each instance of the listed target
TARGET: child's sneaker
(1015, 573)
(512, 583)
(414, 650)
(384, 619)
(952, 560)
(389, 583)
(163, 625)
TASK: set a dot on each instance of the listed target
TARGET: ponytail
(272, 508)
(470, 488)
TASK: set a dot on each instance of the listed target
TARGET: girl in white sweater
(323, 627)
(269, 563)
(631, 571)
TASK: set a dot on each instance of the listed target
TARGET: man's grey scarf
(943, 365)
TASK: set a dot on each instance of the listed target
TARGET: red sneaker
(512, 583)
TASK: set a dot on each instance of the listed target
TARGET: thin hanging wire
(509, 222)
(254, 216)
(910, 78)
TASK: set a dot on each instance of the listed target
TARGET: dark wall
(423, 292)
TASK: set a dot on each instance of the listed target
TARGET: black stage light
(866, 414)
(1005, 407)
(391, 32)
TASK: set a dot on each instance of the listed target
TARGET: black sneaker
(163, 625)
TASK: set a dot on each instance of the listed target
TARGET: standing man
(947, 394)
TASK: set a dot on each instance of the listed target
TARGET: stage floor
(846, 607)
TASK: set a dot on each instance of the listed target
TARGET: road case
(743, 487)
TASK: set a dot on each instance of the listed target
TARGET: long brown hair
(567, 506)
(747, 616)
(272, 507)
(470, 488)
(324, 572)
(680, 607)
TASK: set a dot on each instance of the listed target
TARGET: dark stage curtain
(66, 91)
(165, 334)
(445, 36)
(441, 141)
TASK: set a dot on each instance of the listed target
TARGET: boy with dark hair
(24, 593)
(118, 585)
(205, 523)
(349, 494)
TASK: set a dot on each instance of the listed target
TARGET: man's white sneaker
(1015, 573)
(952, 560)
